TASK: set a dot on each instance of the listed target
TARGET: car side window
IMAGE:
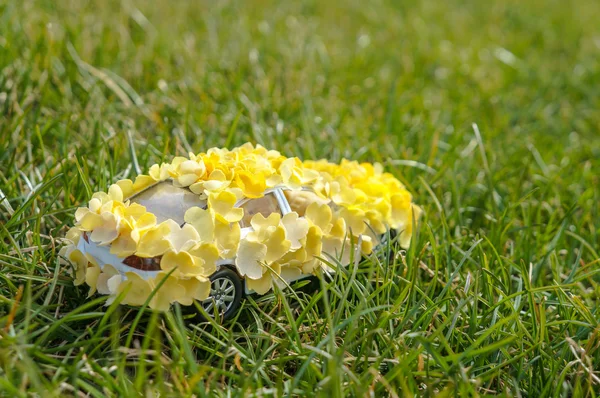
(266, 206)
(300, 200)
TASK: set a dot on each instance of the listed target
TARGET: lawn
(487, 111)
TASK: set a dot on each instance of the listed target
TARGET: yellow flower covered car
(219, 224)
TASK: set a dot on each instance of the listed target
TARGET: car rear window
(167, 201)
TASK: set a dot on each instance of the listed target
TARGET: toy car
(223, 224)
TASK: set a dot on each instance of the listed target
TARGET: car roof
(168, 201)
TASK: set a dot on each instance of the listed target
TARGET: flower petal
(154, 243)
(202, 221)
(288, 273)
(252, 185)
(222, 204)
(259, 221)
(115, 192)
(181, 238)
(168, 292)
(137, 289)
(320, 215)
(123, 246)
(80, 264)
(91, 278)
(114, 283)
(205, 258)
(108, 271)
(227, 238)
(196, 288)
(182, 261)
(295, 228)
(277, 245)
(86, 220)
(248, 259)
(355, 220)
(108, 231)
(126, 187)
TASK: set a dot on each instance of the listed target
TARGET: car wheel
(387, 244)
(225, 294)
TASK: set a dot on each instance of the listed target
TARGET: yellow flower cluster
(357, 199)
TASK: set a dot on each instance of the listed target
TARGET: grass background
(499, 291)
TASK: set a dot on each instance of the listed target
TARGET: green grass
(498, 293)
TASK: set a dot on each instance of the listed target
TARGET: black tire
(221, 295)
(388, 241)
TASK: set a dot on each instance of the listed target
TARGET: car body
(223, 224)
(172, 202)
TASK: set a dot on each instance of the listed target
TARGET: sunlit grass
(498, 293)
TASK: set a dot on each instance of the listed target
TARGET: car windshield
(167, 201)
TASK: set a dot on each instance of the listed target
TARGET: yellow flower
(337, 248)
(263, 284)
(222, 204)
(249, 256)
(252, 185)
(203, 221)
(181, 238)
(270, 232)
(294, 176)
(142, 182)
(91, 277)
(190, 171)
(115, 193)
(406, 234)
(165, 294)
(319, 215)
(401, 206)
(335, 242)
(311, 249)
(277, 244)
(225, 235)
(87, 219)
(341, 193)
(366, 246)
(108, 280)
(273, 180)
(288, 272)
(135, 222)
(73, 235)
(294, 257)
(200, 260)
(295, 228)
(217, 181)
(290, 173)
(355, 219)
(107, 231)
(182, 261)
(338, 228)
(126, 187)
(227, 238)
(137, 288)
(196, 288)
(159, 173)
(264, 224)
(154, 242)
(80, 264)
